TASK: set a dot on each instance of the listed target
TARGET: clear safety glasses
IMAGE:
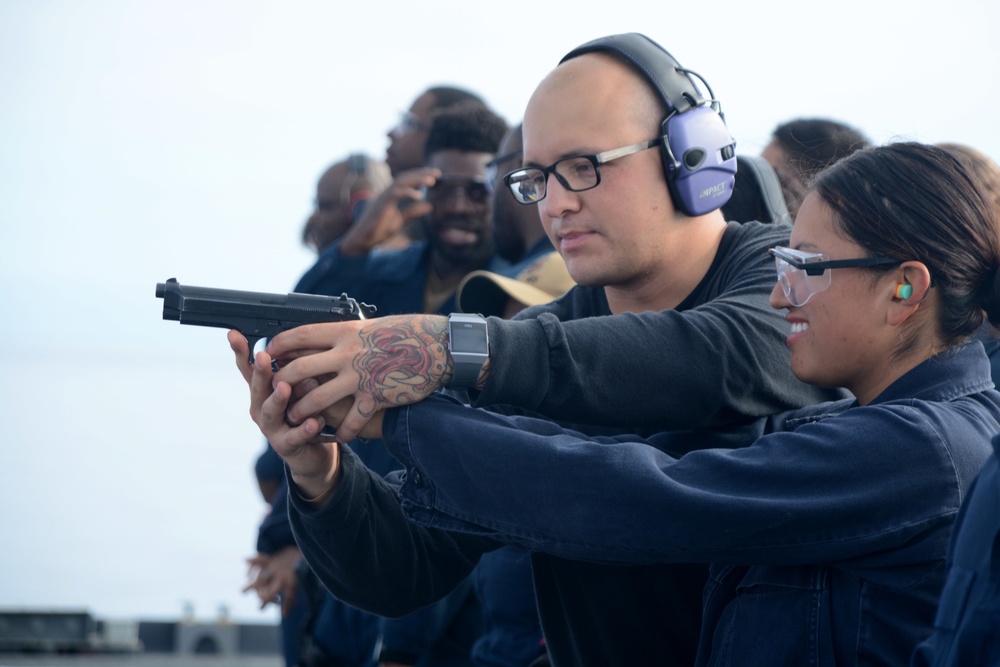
(803, 274)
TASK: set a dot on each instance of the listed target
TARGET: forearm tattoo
(403, 361)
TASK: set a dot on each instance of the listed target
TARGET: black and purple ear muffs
(699, 154)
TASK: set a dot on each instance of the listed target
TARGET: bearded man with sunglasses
(668, 328)
(455, 215)
(390, 220)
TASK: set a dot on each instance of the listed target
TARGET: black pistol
(256, 315)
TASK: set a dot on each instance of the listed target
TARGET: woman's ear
(913, 282)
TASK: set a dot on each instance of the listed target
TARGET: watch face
(468, 338)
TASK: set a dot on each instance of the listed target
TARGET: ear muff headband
(663, 72)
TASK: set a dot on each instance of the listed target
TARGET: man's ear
(912, 282)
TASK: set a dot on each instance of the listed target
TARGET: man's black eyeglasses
(575, 173)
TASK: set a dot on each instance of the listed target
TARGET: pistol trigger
(252, 343)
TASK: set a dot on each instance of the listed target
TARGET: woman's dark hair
(912, 201)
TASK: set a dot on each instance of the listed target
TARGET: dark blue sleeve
(269, 465)
(452, 621)
(275, 531)
(798, 496)
(333, 273)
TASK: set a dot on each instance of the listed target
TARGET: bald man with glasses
(669, 327)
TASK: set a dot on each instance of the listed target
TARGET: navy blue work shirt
(827, 534)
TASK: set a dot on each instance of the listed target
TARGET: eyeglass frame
(596, 159)
(798, 260)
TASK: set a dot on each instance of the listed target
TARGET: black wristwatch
(469, 345)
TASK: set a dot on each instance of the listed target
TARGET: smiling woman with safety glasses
(826, 527)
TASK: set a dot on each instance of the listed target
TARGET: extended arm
(803, 496)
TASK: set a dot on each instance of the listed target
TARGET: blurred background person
(314, 625)
(799, 149)
(517, 230)
(422, 277)
(409, 136)
(987, 174)
(456, 215)
(392, 219)
(342, 192)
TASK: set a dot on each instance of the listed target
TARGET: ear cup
(699, 160)
(699, 154)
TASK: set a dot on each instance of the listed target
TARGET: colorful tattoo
(405, 359)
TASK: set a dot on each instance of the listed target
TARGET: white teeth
(799, 327)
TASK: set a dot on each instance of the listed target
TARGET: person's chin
(584, 273)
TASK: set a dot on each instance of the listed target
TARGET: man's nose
(558, 199)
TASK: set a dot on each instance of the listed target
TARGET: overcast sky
(153, 139)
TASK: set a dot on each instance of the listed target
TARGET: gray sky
(150, 139)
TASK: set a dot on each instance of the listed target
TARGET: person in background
(408, 138)
(342, 192)
(392, 220)
(987, 174)
(314, 625)
(423, 277)
(518, 233)
(965, 628)
(800, 149)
